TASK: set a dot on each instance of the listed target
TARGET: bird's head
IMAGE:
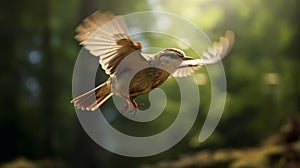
(179, 53)
(172, 56)
(170, 59)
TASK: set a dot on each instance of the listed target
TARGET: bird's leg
(135, 105)
(127, 105)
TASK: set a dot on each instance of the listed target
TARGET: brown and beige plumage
(131, 72)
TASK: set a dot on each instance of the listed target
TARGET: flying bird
(132, 72)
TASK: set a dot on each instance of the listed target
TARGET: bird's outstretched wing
(106, 36)
(212, 55)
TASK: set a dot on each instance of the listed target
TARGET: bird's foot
(127, 105)
(135, 106)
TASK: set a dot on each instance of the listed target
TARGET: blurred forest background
(39, 127)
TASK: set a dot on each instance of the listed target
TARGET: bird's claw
(135, 106)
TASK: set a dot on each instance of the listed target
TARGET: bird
(132, 72)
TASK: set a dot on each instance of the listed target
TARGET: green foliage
(39, 52)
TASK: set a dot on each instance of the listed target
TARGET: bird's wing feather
(214, 54)
(106, 36)
(187, 68)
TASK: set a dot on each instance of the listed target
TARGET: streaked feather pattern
(106, 36)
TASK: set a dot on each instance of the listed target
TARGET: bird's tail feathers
(93, 99)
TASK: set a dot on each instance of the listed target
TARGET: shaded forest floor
(278, 151)
(266, 156)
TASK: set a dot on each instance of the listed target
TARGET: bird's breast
(130, 85)
(146, 80)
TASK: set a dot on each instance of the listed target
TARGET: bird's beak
(186, 58)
